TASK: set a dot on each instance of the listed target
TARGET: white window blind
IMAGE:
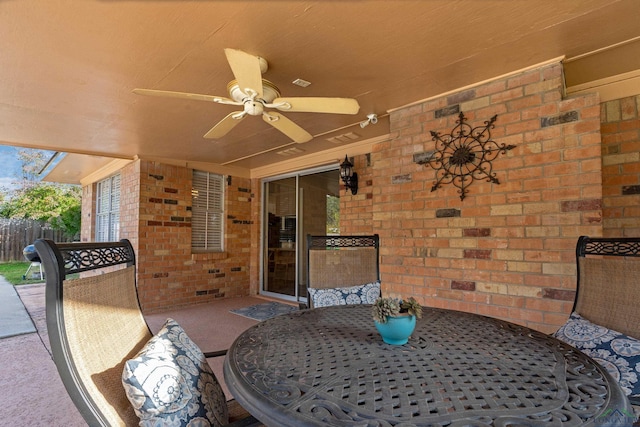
(108, 209)
(207, 212)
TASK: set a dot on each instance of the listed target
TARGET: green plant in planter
(392, 307)
(411, 306)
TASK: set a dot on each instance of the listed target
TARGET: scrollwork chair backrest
(94, 324)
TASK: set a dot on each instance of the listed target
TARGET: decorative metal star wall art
(465, 155)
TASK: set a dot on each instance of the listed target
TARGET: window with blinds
(207, 212)
(108, 209)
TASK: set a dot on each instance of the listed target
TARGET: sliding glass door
(294, 206)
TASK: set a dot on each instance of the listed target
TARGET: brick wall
(129, 204)
(88, 209)
(506, 250)
(170, 275)
(156, 216)
(255, 249)
(621, 167)
(356, 210)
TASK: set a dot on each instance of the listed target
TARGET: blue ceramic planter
(397, 330)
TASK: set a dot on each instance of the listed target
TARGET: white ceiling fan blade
(225, 125)
(317, 105)
(184, 95)
(246, 69)
(286, 126)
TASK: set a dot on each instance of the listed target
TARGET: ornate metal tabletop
(329, 366)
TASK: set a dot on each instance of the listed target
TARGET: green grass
(13, 272)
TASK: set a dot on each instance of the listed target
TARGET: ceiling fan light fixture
(254, 108)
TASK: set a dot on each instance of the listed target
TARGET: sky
(9, 166)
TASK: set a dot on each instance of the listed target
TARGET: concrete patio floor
(32, 392)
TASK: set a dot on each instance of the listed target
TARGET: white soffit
(78, 168)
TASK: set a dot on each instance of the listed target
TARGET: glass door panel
(281, 221)
(307, 203)
(319, 213)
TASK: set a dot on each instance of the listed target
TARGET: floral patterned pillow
(616, 352)
(361, 294)
(169, 382)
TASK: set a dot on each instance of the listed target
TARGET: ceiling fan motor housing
(253, 107)
(269, 92)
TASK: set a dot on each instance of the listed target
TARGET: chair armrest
(211, 354)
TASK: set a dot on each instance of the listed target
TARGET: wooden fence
(16, 234)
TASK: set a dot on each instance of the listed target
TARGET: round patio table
(330, 367)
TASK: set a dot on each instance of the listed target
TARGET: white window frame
(108, 209)
(207, 212)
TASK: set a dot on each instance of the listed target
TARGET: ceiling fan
(256, 95)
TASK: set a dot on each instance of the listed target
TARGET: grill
(31, 255)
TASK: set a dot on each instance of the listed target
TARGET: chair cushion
(618, 353)
(361, 294)
(170, 383)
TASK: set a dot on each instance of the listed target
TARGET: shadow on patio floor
(32, 392)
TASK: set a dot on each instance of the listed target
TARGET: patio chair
(342, 269)
(608, 291)
(606, 309)
(95, 325)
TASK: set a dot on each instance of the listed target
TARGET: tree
(32, 162)
(55, 204)
(333, 214)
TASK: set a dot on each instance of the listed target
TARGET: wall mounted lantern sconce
(348, 176)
